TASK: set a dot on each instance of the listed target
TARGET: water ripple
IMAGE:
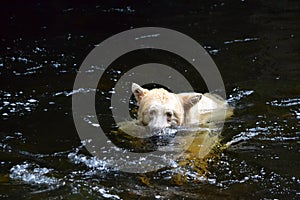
(241, 40)
(237, 95)
(285, 102)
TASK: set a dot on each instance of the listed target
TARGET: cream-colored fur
(159, 108)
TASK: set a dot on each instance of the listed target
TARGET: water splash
(33, 174)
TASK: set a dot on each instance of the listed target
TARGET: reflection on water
(255, 45)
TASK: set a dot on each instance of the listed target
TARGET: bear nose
(156, 129)
(159, 129)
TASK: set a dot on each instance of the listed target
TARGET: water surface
(255, 45)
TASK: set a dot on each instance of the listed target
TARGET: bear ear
(189, 100)
(138, 91)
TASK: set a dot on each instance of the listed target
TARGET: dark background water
(255, 45)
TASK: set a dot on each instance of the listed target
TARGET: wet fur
(159, 108)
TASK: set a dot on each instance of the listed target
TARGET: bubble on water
(212, 181)
(56, 65)
(297, 113)
(95, 125)
(32, 100)
(214, 51)
(15, 104)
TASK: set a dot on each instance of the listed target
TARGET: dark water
(255, 45)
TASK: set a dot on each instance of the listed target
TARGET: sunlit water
(41, 155)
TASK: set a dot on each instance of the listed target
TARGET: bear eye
(169, 114)
(151, 112)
